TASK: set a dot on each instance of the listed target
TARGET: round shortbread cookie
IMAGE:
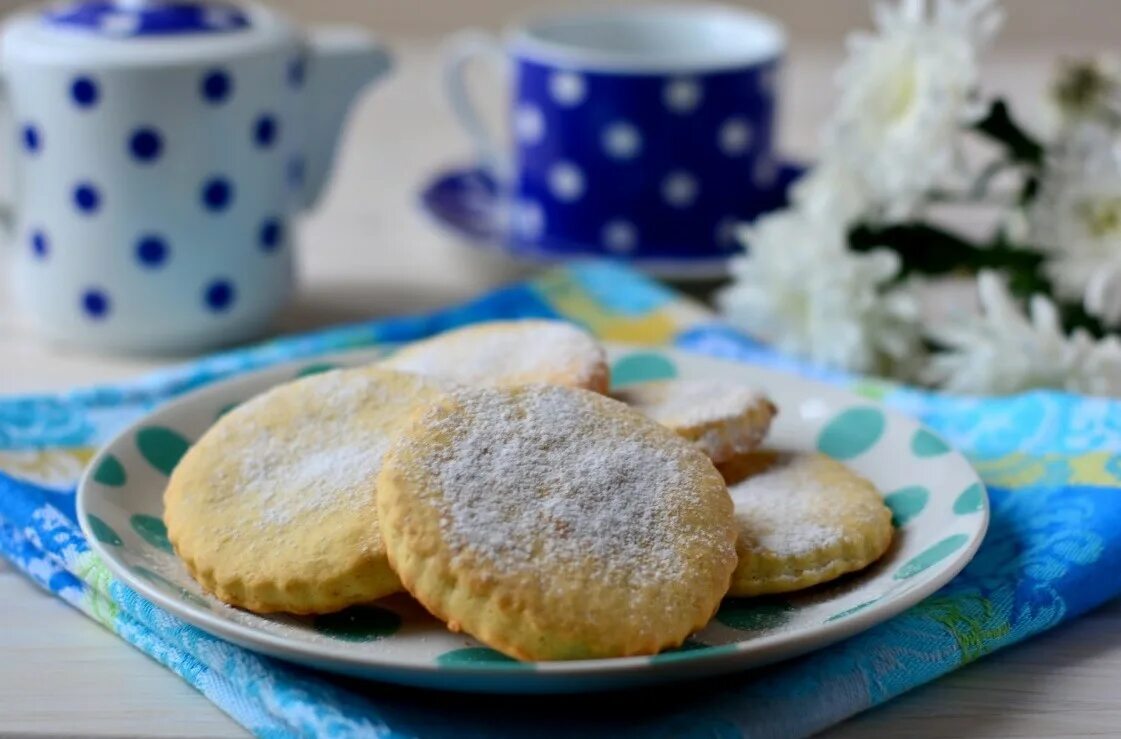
(803, 519)
(509, 353)
(554, 523)
(723, 419)
(273, 508)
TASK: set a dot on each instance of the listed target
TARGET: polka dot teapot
(162, 149)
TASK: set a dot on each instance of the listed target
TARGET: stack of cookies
(487, 473)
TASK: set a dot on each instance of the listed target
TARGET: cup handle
(462, 49)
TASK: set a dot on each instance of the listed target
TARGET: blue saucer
(467, 202)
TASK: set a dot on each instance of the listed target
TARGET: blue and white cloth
(1052, 463)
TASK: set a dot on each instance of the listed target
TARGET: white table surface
(368, 252)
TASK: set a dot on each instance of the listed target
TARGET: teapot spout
(342, 60)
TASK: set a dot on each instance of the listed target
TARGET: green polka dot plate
(940, 513)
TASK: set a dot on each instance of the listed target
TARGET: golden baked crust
(273, 508)
(723, 419)
(803, 519)
(509, 353)
(554, 523)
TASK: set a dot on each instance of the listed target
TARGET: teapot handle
(7, 124)
(342, 60)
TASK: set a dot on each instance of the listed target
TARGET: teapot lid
(127, 18)
(142, 32)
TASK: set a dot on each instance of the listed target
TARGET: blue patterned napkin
(1052, 463)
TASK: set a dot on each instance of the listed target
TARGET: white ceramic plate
(940, 506)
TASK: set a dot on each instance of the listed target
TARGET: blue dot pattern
(297, 70)
(651, 165)
(219, 295)
(84, 92)
(295, 172)
(145, 144)
(264, 131)
(151, 251)
(31, 138)
(217, 193)
(95, 303)
(87, 198)
(271, 234)
(39, 245)
(216, 86)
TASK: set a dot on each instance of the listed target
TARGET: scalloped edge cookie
(509, 353)
(803, 519)
(554, 523)
(272, 509)
(724, 419)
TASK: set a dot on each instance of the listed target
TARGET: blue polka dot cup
(163, 150)
(644, 133)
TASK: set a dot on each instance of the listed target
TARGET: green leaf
(930, 250)
(999, 126)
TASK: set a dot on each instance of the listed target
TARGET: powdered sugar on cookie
(320, 462)
(723, 418)
(690, 402)
(544, 483)
(803, 519)
(788, 511)
(273, 508)
(507, 353)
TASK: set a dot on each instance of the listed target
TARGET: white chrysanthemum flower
(801, 290)
(1088, 89)
(907, 91)
(1076, 218)
(831, 191)
(1005, 350)
(1103, 293)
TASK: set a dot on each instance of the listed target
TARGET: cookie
(509, 353)
(723, 419)
(803, 519)
(273, 508)
(554, 523)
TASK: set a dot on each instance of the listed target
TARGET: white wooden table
(368, 252)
